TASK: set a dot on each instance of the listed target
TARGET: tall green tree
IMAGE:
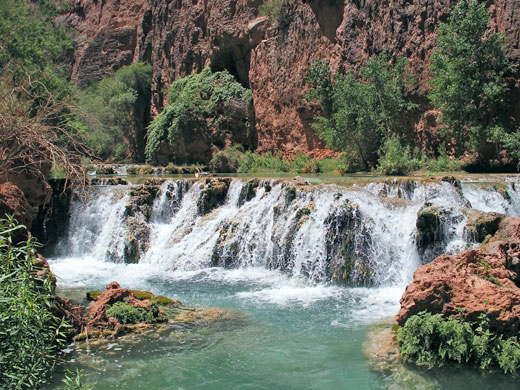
(110, 123)
(359, 109)
(30, 41)
(470, 87)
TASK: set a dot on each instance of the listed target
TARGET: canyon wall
(179, 37)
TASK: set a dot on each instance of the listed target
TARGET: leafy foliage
(35, 112)
(396, 159)
(194, 101)
(469, 86)
(360, 109)
(267, 163)
(73, 381)
(126, 313)
(31, 334)
(29, 40)
(108, 110)
(432, 340)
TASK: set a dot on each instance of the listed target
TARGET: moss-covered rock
(430, 225)
(93, 295)
(480, 225)
(213, 194)
(347, 240)
(141, 295)
(163, 301)
(248, 192)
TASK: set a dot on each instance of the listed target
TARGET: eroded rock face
(472, 283)
(13, 202)
(213, 194)
(51, 221)
(182, 37)
(347, 240)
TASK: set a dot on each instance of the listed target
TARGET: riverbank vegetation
(360, 110)
(108, 112)
(32, 332)
(433, 340)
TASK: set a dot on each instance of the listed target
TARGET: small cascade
(375, 234)
(169, 199)
(497, 198)
(95, 226)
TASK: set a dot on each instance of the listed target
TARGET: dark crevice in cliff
(329, 14)
(235, 60)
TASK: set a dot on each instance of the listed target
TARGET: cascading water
(298, 230)
(311, 265)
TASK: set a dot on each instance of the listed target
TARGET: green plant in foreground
(73, 381)
(127, 314)
(31, 334)
(432, 339)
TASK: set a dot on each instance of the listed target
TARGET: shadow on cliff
(329, 14)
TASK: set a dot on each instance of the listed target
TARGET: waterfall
(360, 235)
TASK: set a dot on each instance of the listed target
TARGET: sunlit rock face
(269, 56)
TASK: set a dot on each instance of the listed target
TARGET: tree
(110, 119)
(359, 109)
(29, 41)
(35, 110)
(469, 86)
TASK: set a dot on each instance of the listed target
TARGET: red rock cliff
(179, 37)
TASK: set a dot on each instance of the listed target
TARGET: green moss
(164, 301)
(93, 295)
(142, 294)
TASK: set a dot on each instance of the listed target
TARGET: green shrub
(107, 111)
(227, 160)
(126, 313)
(194, 102)
(433, 339)
(396, 159)
(31, 334)
(443, 163)
(256, 163)
(470, 85)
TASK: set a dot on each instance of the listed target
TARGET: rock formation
(472, 283)
(269, 56)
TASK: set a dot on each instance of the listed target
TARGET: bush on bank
(432, 340)
(31, 333)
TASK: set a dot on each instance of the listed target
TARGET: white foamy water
(490, 199)
(277, 246)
